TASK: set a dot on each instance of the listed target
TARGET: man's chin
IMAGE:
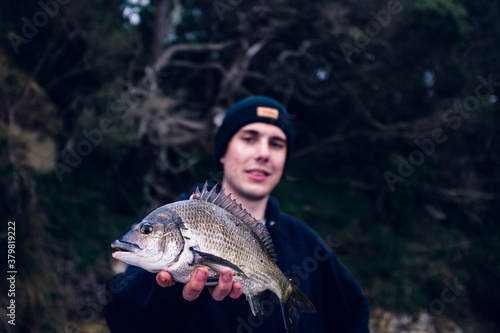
(255, 196)
(256, 192)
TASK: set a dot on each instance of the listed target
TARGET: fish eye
(146, 229)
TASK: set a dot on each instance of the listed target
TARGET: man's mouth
(258, 174)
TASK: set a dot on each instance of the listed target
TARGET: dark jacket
(138, 304)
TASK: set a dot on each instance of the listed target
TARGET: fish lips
(124, 246)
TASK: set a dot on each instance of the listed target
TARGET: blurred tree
(108, 110)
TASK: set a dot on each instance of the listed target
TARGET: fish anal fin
(214, 262)
(255, 302)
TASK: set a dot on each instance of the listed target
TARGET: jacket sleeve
(136, 303)
(349, 308)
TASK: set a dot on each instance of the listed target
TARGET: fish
(214, 231)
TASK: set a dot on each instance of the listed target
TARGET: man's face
(254, 160)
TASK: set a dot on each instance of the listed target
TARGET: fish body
(214, 231)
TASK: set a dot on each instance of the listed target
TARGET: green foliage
(439, 22)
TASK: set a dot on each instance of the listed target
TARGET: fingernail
(201, 274)
(162, 280)
(226, 276)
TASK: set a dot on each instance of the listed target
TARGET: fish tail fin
(293, 306)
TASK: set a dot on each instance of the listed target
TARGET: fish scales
(214, 231)
(227, 237)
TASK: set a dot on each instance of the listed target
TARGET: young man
(253, 146)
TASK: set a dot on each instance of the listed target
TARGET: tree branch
(164, 58)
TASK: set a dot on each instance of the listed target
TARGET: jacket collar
(272, 212)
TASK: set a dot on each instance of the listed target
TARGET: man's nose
(262, 150)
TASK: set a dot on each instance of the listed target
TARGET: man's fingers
(194, 196)
(164, 279)
(224, 286)
(236, 291)
(195, 285)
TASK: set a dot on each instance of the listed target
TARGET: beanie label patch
(263, 111)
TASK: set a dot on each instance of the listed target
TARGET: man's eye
(248, 139)
(277, 145)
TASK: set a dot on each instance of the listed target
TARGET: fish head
(152, 244)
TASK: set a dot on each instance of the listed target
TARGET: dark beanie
(256, 109)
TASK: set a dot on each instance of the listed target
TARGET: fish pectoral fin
(214, 262)
(255, 302)
(212, 281)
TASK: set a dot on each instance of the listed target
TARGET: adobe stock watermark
(453, 116)
(30, 28)
(372, 29)
(11, 272)
(448, 295)
(94, 137)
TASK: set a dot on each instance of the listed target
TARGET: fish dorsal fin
(230, 205)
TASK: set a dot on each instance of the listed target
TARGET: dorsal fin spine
(212, 195)
(197, 193)
(219, 199)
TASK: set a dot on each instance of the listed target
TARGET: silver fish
(214, 231)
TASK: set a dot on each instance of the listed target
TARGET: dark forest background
(108, 108)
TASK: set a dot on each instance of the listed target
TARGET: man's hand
(192, 289)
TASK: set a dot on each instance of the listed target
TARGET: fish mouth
(124, 246)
